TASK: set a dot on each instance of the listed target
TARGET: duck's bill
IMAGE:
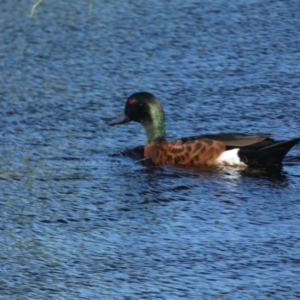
(120, 120)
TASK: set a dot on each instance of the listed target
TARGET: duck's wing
(232, 140)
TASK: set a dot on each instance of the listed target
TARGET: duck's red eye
(131, 101)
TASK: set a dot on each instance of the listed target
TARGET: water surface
(80, 219)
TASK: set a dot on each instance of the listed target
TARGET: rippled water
(81, 215)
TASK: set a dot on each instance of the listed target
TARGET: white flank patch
(230, 158)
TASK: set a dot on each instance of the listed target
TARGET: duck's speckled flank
(191, 153)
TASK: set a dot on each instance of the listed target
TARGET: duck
(228, 149)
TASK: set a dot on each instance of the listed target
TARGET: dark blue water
(81, 215)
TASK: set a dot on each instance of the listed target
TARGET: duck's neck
(155, 125)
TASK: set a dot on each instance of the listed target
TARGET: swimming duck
(220, 149)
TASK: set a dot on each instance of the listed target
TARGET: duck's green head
(144, 108)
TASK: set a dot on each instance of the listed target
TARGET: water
(82, 216)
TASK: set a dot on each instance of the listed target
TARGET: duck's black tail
(270, 155)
